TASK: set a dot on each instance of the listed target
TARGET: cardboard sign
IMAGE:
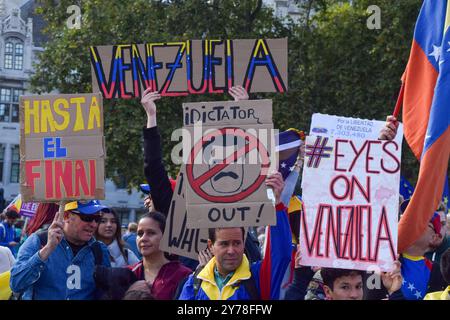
(178, 238)
(62, 150)
(350, 193)
(189, 67)
(28, 209)
(349, 128)
(227, 162)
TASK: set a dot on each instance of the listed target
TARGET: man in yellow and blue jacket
(229, 275)
(445, 270)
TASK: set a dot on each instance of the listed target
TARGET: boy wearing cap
(444, 242)
(61, 265)
(420, 274)
(8, 237)
(445, 269)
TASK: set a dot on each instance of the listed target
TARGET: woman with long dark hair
(162, 275)
(109, 232)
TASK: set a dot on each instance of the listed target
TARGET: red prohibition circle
(196, 183)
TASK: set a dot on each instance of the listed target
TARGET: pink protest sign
(350, 193)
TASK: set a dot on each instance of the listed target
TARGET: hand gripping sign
(227, 163)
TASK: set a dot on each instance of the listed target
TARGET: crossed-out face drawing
(227, 164)
(231, 178)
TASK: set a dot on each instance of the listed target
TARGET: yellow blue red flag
(426, 115)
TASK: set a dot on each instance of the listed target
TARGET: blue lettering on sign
(53, 149)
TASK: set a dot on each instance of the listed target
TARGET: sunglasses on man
(88, 217)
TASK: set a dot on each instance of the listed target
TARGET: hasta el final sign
(62, 150)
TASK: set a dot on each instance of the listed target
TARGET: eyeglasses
(88, 217)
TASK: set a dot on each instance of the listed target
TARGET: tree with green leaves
(65, 63)
(336, 64)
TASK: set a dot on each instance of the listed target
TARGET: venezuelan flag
(426, 118)
(16, 204)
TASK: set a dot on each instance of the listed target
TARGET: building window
(2, 160)
(124, 215)
(9, 104)
(5, 94)
(15, 162)
(3, 111)
(14, 54)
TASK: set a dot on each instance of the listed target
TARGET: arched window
(14, 54)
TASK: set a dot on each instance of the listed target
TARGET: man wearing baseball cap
(420, 275)
(443, 242)
(148, 201)
(59, 264)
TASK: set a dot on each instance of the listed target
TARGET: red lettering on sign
(397, 168)
(31, 176)
(63, 177)
(92, 172)
(49, 185)
(338, 155)
(81, 178)
(346, 240)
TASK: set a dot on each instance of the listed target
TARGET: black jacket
(297, 289)
(154, 171)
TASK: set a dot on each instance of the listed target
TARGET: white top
(6, 259)
(116, 257)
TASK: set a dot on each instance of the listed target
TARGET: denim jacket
(61, 277)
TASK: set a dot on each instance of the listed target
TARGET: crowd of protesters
(80, 252)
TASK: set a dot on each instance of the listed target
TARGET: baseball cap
(145, 188)
(86, 207)
(436, 222)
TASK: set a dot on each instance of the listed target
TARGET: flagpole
(62, 205)
(399, 103)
